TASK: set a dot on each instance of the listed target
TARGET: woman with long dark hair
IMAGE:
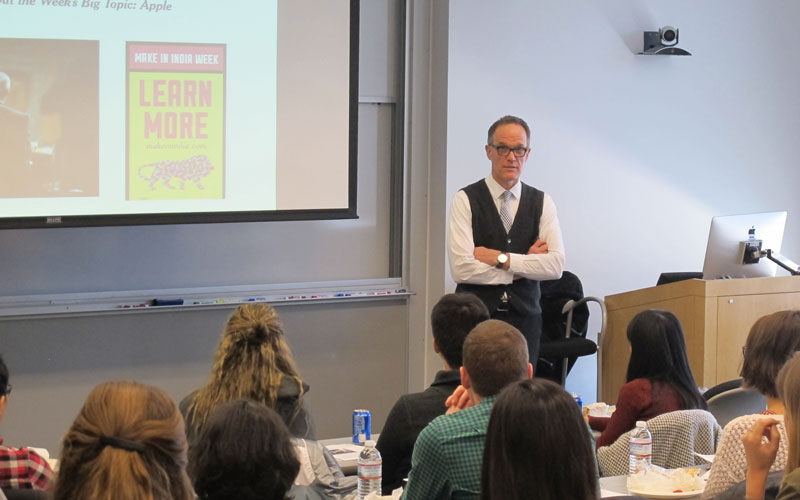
(659, 379)
(537, 446)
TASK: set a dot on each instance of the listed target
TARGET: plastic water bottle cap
(641, 423)
(370, 443)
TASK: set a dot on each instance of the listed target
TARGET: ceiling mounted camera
(662, 42)
(668, 35)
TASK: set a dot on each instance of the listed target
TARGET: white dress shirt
(465, 268)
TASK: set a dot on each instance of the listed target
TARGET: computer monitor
(728, 237)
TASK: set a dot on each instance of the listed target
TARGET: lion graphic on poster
(193, 169)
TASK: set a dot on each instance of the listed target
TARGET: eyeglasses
(504, 150)
(8, 390)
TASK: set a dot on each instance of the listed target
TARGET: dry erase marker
(167, 302)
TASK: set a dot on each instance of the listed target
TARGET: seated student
(537, 446)
(252, 361)
(245, 452)
(446, 462)
(127, 443)
(452, 319)
(772, 341)
(19, 467)
(762, 440)
(659, 379)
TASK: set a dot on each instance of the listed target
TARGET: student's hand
(761, 444)
(457, 401)
(539, 246)
(760, 448)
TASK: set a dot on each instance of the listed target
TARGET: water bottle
(370, 466)
(641, 443)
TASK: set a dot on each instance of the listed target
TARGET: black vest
(488, 231)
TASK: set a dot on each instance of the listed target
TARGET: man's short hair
(3, 377)
(452, 318)
(495, 355)
(506, 120)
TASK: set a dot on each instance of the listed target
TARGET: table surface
(346, 452)
(613, 486)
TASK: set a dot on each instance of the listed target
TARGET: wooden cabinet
(716, 316)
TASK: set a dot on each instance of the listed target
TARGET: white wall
(638, 152)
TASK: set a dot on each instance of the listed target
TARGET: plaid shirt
(447, 457)
(23, 468)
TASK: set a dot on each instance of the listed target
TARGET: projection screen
(177, 111)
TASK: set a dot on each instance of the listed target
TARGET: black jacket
(409, 415)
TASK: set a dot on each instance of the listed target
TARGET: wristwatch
(501, 260)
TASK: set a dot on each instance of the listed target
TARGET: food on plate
(599, 409)
(659, 480)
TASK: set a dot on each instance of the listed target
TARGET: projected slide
(115, 107)
(176, 121)
(60, 157)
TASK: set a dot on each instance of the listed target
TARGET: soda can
(578, 400)
(362, 426)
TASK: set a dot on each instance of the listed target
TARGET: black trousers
(529, 324)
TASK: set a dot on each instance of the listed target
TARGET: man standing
(504, 235)
(452, 318)
(446, 462)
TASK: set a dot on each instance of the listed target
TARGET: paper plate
(679, 494)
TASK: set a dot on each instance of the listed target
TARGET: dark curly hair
(243, 452)
(251, 360)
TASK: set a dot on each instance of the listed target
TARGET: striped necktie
(505, 210)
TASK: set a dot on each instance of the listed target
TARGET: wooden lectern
(716, 316)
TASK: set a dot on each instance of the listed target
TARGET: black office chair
(737, 491)
(666, 278)
(729, 400)
(565, 322)
(722, 387)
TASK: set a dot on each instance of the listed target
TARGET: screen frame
(723, 249)
(350, 212)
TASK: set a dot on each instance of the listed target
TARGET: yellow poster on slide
(176, 122)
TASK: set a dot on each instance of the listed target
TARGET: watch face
(502, 258)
